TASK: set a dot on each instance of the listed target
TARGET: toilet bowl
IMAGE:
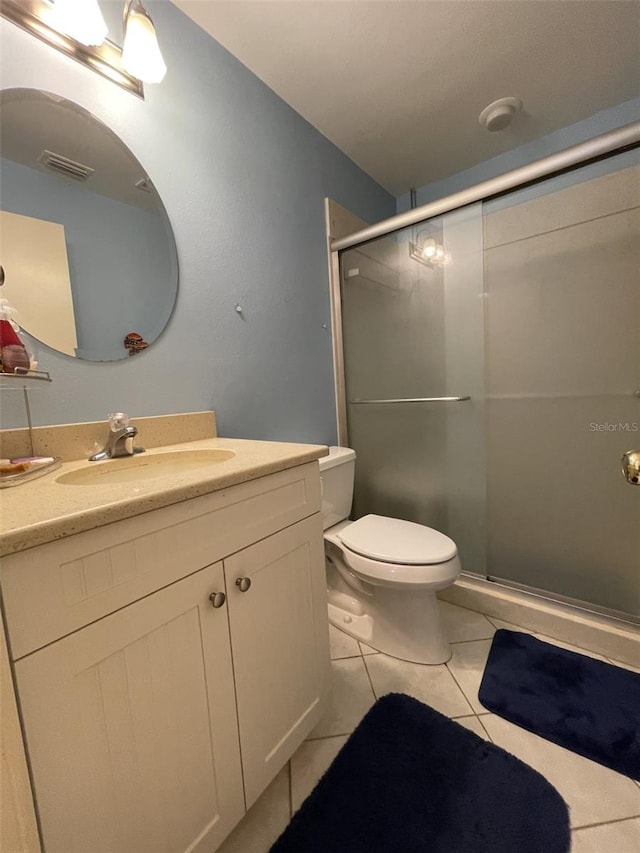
(383, 573)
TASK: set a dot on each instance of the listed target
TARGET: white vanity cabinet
(278, 626)
(130, 727)
(168, 665)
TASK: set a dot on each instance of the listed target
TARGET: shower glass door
(413, 332)
(534, 315)
(562, 279)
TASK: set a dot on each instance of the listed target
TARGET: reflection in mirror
(87, 248)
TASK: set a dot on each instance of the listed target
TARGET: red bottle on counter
(12, 351)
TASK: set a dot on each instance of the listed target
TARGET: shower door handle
(631, 467)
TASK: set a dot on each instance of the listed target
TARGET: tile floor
(604, 806)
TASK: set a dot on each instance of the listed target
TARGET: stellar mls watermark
(620, 426)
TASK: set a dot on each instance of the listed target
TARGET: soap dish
(31, 473)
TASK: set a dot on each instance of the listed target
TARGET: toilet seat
(394, 553)
(396, 541)
(402, 575)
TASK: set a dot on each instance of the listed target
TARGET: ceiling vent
(64, 166)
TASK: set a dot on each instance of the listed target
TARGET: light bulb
(429, 248)
(141, 53)
(80, 19)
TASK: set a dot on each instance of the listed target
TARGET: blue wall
(243, 178)
(601, 122)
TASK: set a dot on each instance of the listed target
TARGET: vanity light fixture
(77, 28)
(426, 250)
(141, 52)
(80, 19)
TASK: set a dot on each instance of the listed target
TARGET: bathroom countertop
(44, 510)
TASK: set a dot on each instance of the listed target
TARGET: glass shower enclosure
(492, 381)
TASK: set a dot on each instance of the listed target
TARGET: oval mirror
(87, 248)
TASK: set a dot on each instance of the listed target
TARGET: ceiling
(398, 86)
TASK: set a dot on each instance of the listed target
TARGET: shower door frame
(598, 148)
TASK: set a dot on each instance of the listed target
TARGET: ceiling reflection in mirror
(87, 247)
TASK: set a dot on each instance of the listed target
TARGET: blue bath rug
(410, 780)
(586, 705)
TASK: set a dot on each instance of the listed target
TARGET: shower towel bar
(416, 400)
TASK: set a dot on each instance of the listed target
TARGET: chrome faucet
(120, 441)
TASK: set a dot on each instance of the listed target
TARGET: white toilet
(383, 573)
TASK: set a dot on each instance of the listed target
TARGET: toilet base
(400, 624)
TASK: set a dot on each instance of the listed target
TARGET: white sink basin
(145, 466)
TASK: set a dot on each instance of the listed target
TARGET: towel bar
(415, 400)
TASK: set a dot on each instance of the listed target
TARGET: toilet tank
(336, 478)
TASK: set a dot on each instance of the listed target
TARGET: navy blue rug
(586, 705)
(410, 780)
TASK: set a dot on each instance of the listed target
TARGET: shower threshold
(536, 611)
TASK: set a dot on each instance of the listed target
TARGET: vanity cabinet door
(279, 639)
(131, 727)
(18, 830)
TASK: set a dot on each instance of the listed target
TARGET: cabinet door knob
(217, 599)
(243, 584)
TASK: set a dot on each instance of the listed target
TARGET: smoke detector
(499, 114)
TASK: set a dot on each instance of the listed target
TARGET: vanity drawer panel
(54, 589)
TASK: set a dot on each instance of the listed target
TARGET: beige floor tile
(509, 626)
(264, 822)
(460, 624)
(593, 793)
(367, 650)
(624, 665)
(308, 765)
(474, 725)
(342, 645)
(432, 685)
(467, 666)
(352, 697)
(621, 837)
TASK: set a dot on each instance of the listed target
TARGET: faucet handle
(118, 421)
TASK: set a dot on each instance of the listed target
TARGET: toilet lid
(392, 540)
